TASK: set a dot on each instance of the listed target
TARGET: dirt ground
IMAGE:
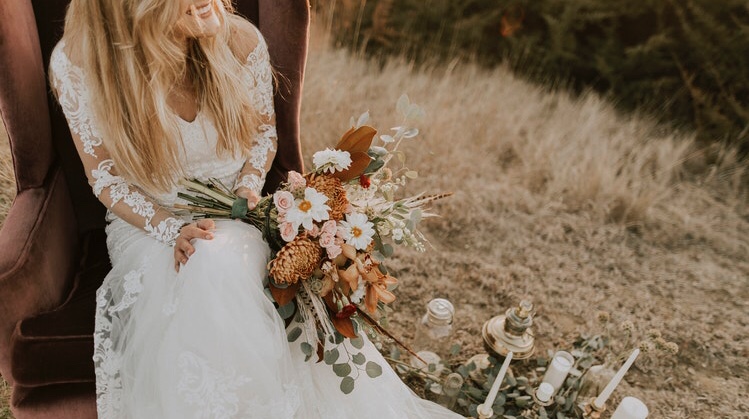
(563, 201)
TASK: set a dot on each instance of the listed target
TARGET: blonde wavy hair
(132, 60)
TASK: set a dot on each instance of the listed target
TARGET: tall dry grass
(562, 200)
(7, 179)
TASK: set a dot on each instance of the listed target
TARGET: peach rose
(327, 240)
(296, 181)
(315, 231)
(283, 200)
(333, 251)
(330, 227)
(287, 231)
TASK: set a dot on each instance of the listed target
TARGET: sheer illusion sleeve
(263, 150)
(125, 200)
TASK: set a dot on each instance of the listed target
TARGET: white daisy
(357, 230)
(308, 209)
(331, 160)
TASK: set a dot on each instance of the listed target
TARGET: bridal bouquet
(332, 230)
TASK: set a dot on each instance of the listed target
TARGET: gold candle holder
(511, 332)
(591, 411)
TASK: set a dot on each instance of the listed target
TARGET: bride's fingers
(185, 248)
(194, 232)
(206, 224)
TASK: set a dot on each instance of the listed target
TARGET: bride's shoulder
(65, 57)
(245, 37)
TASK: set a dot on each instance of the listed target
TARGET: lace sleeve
(125, 200)
(263, 150)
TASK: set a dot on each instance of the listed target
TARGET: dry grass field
(561, 200)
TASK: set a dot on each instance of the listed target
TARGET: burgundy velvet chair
(52, 245)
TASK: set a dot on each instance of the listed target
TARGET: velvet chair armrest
(38, 252)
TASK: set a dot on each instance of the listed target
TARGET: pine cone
(295, 261)
(332, 188)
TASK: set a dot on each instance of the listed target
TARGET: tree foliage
(684, 61)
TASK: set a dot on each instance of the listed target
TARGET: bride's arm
(125, 200)
(252, 177)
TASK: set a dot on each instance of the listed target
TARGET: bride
(158, 90)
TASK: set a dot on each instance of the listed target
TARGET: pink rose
(296, 181)
(327, 240)
(330, 227)
(283, 200)
(315, 231)
(333, 251)
(287, 231)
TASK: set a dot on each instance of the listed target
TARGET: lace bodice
(198, 157)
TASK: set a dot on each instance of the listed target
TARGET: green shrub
(684, 61)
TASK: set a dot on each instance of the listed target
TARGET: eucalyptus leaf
(403, 104)
(268, 294)
(455, 349)
(411, 133)
(280, 286)
(376, 151)
(374, 166)
(568, 403)
(287, 311)
(357, 342)
(339, 338)
(387, 250)
(294, 334)
(342, 370)
(414, 112)
(363, 119)
(387, 138)
(373, 369)
(475, 393)
(330, 356)
(359, 358)
(347, 385)
(306, 348)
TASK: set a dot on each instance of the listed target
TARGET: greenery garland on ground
(684, 61)
(606, 348)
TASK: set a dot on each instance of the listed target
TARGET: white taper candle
(606, 393)
(489, 402)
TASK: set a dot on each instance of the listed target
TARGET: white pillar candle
(544, 392)
(559, 367)
(631, 408)
(489, 402)
(600, 401)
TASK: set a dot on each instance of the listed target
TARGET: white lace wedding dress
(205, 342)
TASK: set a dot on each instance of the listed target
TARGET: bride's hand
(183, 248)
(252, 197)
